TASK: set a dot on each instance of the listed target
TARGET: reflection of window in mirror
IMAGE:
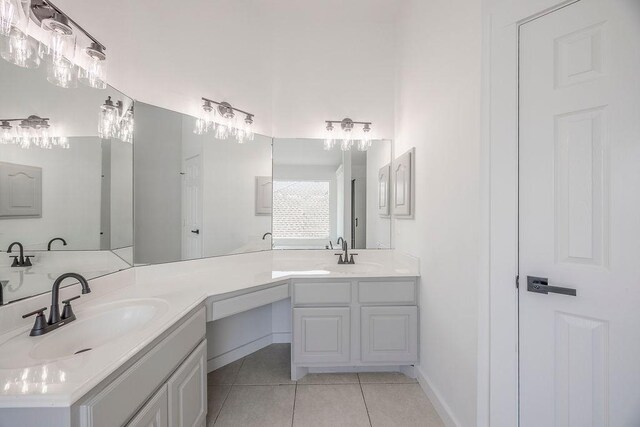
(302, 213)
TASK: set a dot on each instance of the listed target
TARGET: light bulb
(347, 140)
(222, 131)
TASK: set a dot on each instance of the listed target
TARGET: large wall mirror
(65, 192)
(197, 195)
(322, 195)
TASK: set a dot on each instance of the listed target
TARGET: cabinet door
(321, 335)
(187, 389)
(154, 413)
(389, 334)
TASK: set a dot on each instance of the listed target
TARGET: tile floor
(258, 391)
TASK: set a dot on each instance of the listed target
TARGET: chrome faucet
(64, 242)
(345, 258)
(264, 236)
(41, 326)
(20, 260)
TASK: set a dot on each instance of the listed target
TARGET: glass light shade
(329, 141)
(108, 121)
(200, 127)
(93, 73)
(222, 131)
(58, 50)
(126, 127)
(248, 131)
(62, 142)
(62, 72)
(347, 141)
(14, 14)
(19, 49)
(7, 135)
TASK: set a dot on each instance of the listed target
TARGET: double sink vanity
(138, 351)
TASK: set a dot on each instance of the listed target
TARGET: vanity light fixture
(57, 43)
(348, 136)
(31, 131)
(220, 118)
(114, 122)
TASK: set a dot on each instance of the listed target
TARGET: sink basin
(93, 328)
(98, 327)
(357, 268)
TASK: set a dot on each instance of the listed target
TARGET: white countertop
(179, 288)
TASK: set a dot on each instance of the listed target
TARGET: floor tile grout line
(222, 406)
(365, 404)
(293, 412)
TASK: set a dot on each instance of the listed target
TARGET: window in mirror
(301, 210)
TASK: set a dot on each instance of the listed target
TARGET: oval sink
(98, 326)
(357, 268)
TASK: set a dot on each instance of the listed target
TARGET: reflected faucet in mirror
(64, 242)
(3, 283)
(264, 236)
(41, 326)
(19, 260)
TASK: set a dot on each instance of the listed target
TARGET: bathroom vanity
(137, 353)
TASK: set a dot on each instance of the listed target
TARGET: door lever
(196, 231)
(540, 285)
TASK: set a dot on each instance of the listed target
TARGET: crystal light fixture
(126, 126)
(113, 122)
(108, 120)
(16, 46)
(329, 140)
(56, 44)
(223, 121)
(348, 135)
(93, 72)
(33, 131)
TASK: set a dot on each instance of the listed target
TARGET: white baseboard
(442, 408)
(281, 337)
(237, 353)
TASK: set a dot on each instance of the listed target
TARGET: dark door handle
(540, 285)
(195, 231)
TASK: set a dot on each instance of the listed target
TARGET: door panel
(192, 233)
(389, 334)
(321, 335)
(579, 163)
(154, 413)
(188, 390)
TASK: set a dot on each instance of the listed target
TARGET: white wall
(438, 112)
(262, 56)
(378, 228)
(71, 189)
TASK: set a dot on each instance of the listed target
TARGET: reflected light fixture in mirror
(32, 131)
(221, 119)
(349, 136)
(114, 122)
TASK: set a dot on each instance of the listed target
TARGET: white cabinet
(154, 413)
(187, 390)
(321, 335)
(389, 334)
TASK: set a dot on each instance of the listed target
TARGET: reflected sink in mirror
(94, 327)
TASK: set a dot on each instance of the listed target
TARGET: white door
(192, 209)
(579, 225)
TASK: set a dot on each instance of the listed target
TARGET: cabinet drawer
(321, 335)
(321, 293)
(120, 400)
(387, 292)
(389, 334)
(228, 307)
